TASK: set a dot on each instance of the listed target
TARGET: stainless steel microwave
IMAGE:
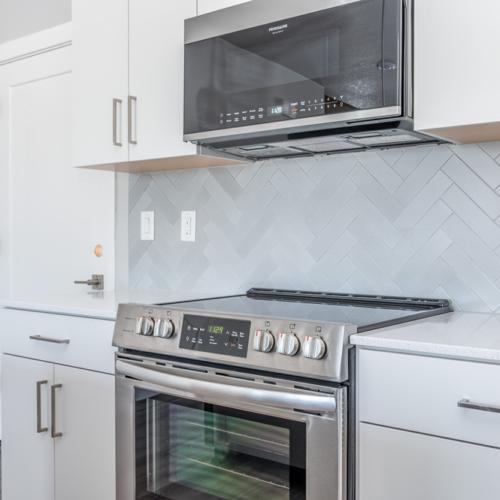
(286, 78)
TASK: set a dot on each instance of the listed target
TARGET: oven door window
(188, 450)
(323, 63)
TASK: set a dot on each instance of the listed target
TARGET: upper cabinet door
(206, 6)
(100, 72)
(457, 68)
(157, 78)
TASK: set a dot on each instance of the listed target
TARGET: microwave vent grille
(269, 152)
(387, 139)
(328, 146)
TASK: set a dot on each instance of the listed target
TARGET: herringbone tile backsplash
(418, 222)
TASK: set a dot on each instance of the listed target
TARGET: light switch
(188, 226)
(147, 226)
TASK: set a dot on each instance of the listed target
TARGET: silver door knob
(144, 326)
(288, 344)
(164, 328)
(314, 347)
(263, 341)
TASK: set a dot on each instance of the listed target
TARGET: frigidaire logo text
(277, 28)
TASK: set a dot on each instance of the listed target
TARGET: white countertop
(96, 304)
(458, 335)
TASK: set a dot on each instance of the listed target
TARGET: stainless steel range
(245, 397)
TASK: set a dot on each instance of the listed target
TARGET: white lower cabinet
(85, 453)
(414, 441)
(27, 455)
(42, 400)
(397, 465)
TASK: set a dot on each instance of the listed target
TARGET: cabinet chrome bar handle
(130, 99)
(115, 125)
(465, 403)
(48, 339)
(39, 407)
(53, 409)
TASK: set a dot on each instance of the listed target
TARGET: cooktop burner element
(282, 331)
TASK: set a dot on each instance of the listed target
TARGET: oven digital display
(216, 329)
(216, 335)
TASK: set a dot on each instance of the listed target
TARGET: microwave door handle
(234, 393)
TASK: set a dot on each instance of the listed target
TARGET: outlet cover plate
(188, 226)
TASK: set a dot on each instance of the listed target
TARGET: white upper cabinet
(128, 94)
(156, 35)
(206, 6)
(100, 75)
(457, 69)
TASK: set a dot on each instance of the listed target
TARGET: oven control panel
(215, 335)
(273, 344)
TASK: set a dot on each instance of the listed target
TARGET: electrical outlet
(147, 226)
(188, 226)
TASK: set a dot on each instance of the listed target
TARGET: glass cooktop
(365, 311)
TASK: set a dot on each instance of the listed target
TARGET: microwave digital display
(283, 109)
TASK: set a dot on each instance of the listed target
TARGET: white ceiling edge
(34, 44)
(21, 18)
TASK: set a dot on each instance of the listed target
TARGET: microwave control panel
(215, 335)
(315, 106)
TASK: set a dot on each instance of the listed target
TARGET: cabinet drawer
(421, 394)
(398, 465)
(89, 344)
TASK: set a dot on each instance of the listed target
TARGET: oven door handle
(194, 386)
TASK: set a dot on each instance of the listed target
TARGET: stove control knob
(288, 344)
(314, 347)
(164, 328)
(144, 326)
(263, 341)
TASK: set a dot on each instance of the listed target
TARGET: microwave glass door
(342, 59)
(189, 450)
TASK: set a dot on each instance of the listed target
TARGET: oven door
(186, 433)
(332, 65)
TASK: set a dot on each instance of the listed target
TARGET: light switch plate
(147, 226)
(188, 226)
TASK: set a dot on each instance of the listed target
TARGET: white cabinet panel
(457, 68)
(206, 6)
(89, 339)
(157, 77)
(85, 453)
(56, 215)
(396, 465)
(419, 393)
(27, 455)
(100, 54)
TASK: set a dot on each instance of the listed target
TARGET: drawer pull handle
(48, 339)
(465, 403)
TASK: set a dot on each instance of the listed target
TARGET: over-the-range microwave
(289, 78)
